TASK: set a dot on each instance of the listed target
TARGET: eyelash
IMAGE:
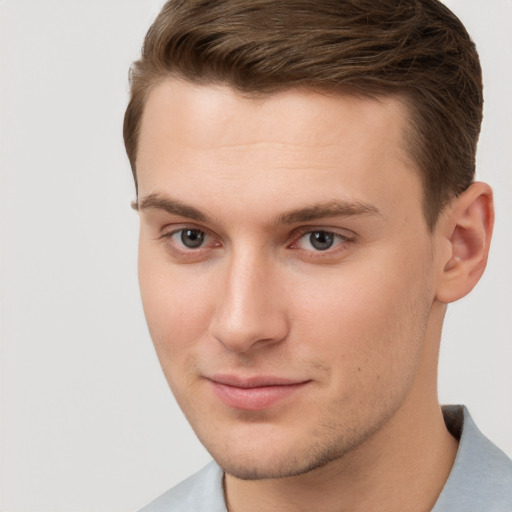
(339, 245)
(297, 236)
(186, 252)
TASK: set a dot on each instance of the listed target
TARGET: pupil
(321, 240)
(192, 238)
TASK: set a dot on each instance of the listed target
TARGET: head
(304, 174)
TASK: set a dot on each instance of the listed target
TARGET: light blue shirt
(480, 479)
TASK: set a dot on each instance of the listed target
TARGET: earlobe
(465, 230)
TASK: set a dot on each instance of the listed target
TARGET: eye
(191, 238)
(319, 240)
(190, 242)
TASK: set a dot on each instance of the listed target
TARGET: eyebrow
(170, 205)
(333, 208)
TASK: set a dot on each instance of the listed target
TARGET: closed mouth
(254, 393)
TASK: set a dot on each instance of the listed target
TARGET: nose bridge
(248, 311)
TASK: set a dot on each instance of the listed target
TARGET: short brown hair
(417, 50)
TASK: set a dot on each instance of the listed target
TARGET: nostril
(242, 333)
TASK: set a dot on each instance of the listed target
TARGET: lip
(254, 393)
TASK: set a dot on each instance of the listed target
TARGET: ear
(464, 230)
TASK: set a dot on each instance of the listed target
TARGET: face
(285, 268)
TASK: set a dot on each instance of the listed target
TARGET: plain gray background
(87, 422)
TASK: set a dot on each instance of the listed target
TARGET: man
(305, 183)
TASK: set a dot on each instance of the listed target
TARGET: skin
(357, 325)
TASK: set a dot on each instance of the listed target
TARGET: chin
(280, 458)
(283, 468)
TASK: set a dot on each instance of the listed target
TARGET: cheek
(177, 319)
(177, 306)
(367, 321)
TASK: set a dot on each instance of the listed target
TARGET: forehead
(198, 139)
(217, 114)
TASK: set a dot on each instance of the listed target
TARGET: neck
(412, 453)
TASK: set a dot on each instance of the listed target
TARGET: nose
(249, 312)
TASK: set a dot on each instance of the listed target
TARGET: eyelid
(171, 229)
(344, 233)
(346, 237)
(168, 232)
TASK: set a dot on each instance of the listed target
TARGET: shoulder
(481, 477)
(201, 491)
